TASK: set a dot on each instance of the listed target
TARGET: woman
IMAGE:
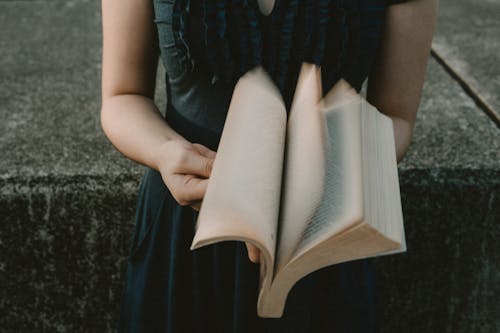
(205, 45)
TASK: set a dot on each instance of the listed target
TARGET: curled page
(243, 193)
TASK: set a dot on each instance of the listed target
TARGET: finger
(253, 253)
(190, 189)
(196, 164)
(196, 206)
(204, 150)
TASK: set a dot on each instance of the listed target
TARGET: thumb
(204, 150)
(197, 164)
(194, 187)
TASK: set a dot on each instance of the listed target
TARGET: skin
(136, 128)
(266, 6)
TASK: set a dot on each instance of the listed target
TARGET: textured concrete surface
(467, 40)
(451, 133)
(62, 249)
(449, 279)
(50, 91)
(67, 197)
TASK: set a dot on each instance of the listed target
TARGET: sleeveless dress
(168, 287)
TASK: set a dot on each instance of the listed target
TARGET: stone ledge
(449, 278)
(66, 240)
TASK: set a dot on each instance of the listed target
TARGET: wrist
(159, 154)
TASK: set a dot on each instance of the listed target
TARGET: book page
(243, 194)
(304, 170)
(322, 187)
(383, 208)
(342, 199)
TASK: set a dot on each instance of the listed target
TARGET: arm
(395, 84)
(129, 117)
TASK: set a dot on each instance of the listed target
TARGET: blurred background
(67, 197)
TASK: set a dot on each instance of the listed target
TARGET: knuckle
(185, 183)
(183, 202)
(182, 157)
(181, 199)
(186, 196)
(179, 154)
(208, 166)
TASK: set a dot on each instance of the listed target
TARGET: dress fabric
(168, 287)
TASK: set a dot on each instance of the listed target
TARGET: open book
(310, 189)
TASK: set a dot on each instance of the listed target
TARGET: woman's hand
(185, 168)
(253, 253)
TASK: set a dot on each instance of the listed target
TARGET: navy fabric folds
(236, 37)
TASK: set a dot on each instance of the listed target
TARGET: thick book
(310, 188)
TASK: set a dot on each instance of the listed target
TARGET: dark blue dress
(214, 289)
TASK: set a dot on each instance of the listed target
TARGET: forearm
(403, 132)
(396, 81)
(136, 128)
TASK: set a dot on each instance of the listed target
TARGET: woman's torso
(351, 40)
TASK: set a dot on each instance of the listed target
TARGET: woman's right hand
(185, 168)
